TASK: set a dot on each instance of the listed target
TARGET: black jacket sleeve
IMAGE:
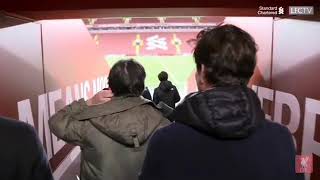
(156, 96)
(165, 109)
(146, 94)
(176, 95)
(65, 126)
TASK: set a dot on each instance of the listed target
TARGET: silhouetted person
(21, 153)
(166, 92)
(221, 132)
(146, 94)
(113, 127)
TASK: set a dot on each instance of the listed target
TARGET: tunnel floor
(73, 171)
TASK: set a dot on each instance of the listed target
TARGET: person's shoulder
(276, 129)
(156, 90)
(13, 124)
(174, 88)
(171, 131)
(172, 136)
(16, 127)
(275, 126)
(172, 128)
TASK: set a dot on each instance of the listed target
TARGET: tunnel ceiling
(66, 9)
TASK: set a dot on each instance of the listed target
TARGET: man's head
(225, 56)
(127, 77)
(163, 76)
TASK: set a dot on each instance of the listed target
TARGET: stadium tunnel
(63, 51)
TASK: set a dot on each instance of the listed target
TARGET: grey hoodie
(113, 136)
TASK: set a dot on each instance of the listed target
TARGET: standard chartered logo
(280, 11)
(270, 10)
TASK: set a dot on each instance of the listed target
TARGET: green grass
(179, 69)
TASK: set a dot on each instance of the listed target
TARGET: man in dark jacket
(221, 131)
(166, 92)
(21, 153)
(112, 128)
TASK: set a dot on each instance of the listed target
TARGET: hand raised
(100, 98)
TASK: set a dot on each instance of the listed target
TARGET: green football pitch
(179, 69)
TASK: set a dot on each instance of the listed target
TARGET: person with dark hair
(221, 132)
(113, 127)
(166, 92)
(146, 94)
(21, 154)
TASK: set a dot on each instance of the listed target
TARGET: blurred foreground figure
(113, 127)
(21, 154)
(166, 92)
(221, 132)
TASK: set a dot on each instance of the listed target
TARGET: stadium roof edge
(137, 12)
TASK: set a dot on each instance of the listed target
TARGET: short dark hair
(163, 76)
(127, 77)
(228, 54)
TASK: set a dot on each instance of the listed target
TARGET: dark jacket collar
(224, 112)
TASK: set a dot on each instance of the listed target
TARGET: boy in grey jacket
(112, 128)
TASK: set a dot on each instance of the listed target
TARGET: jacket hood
(223, 112)
(166, 86)
(127, 120)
